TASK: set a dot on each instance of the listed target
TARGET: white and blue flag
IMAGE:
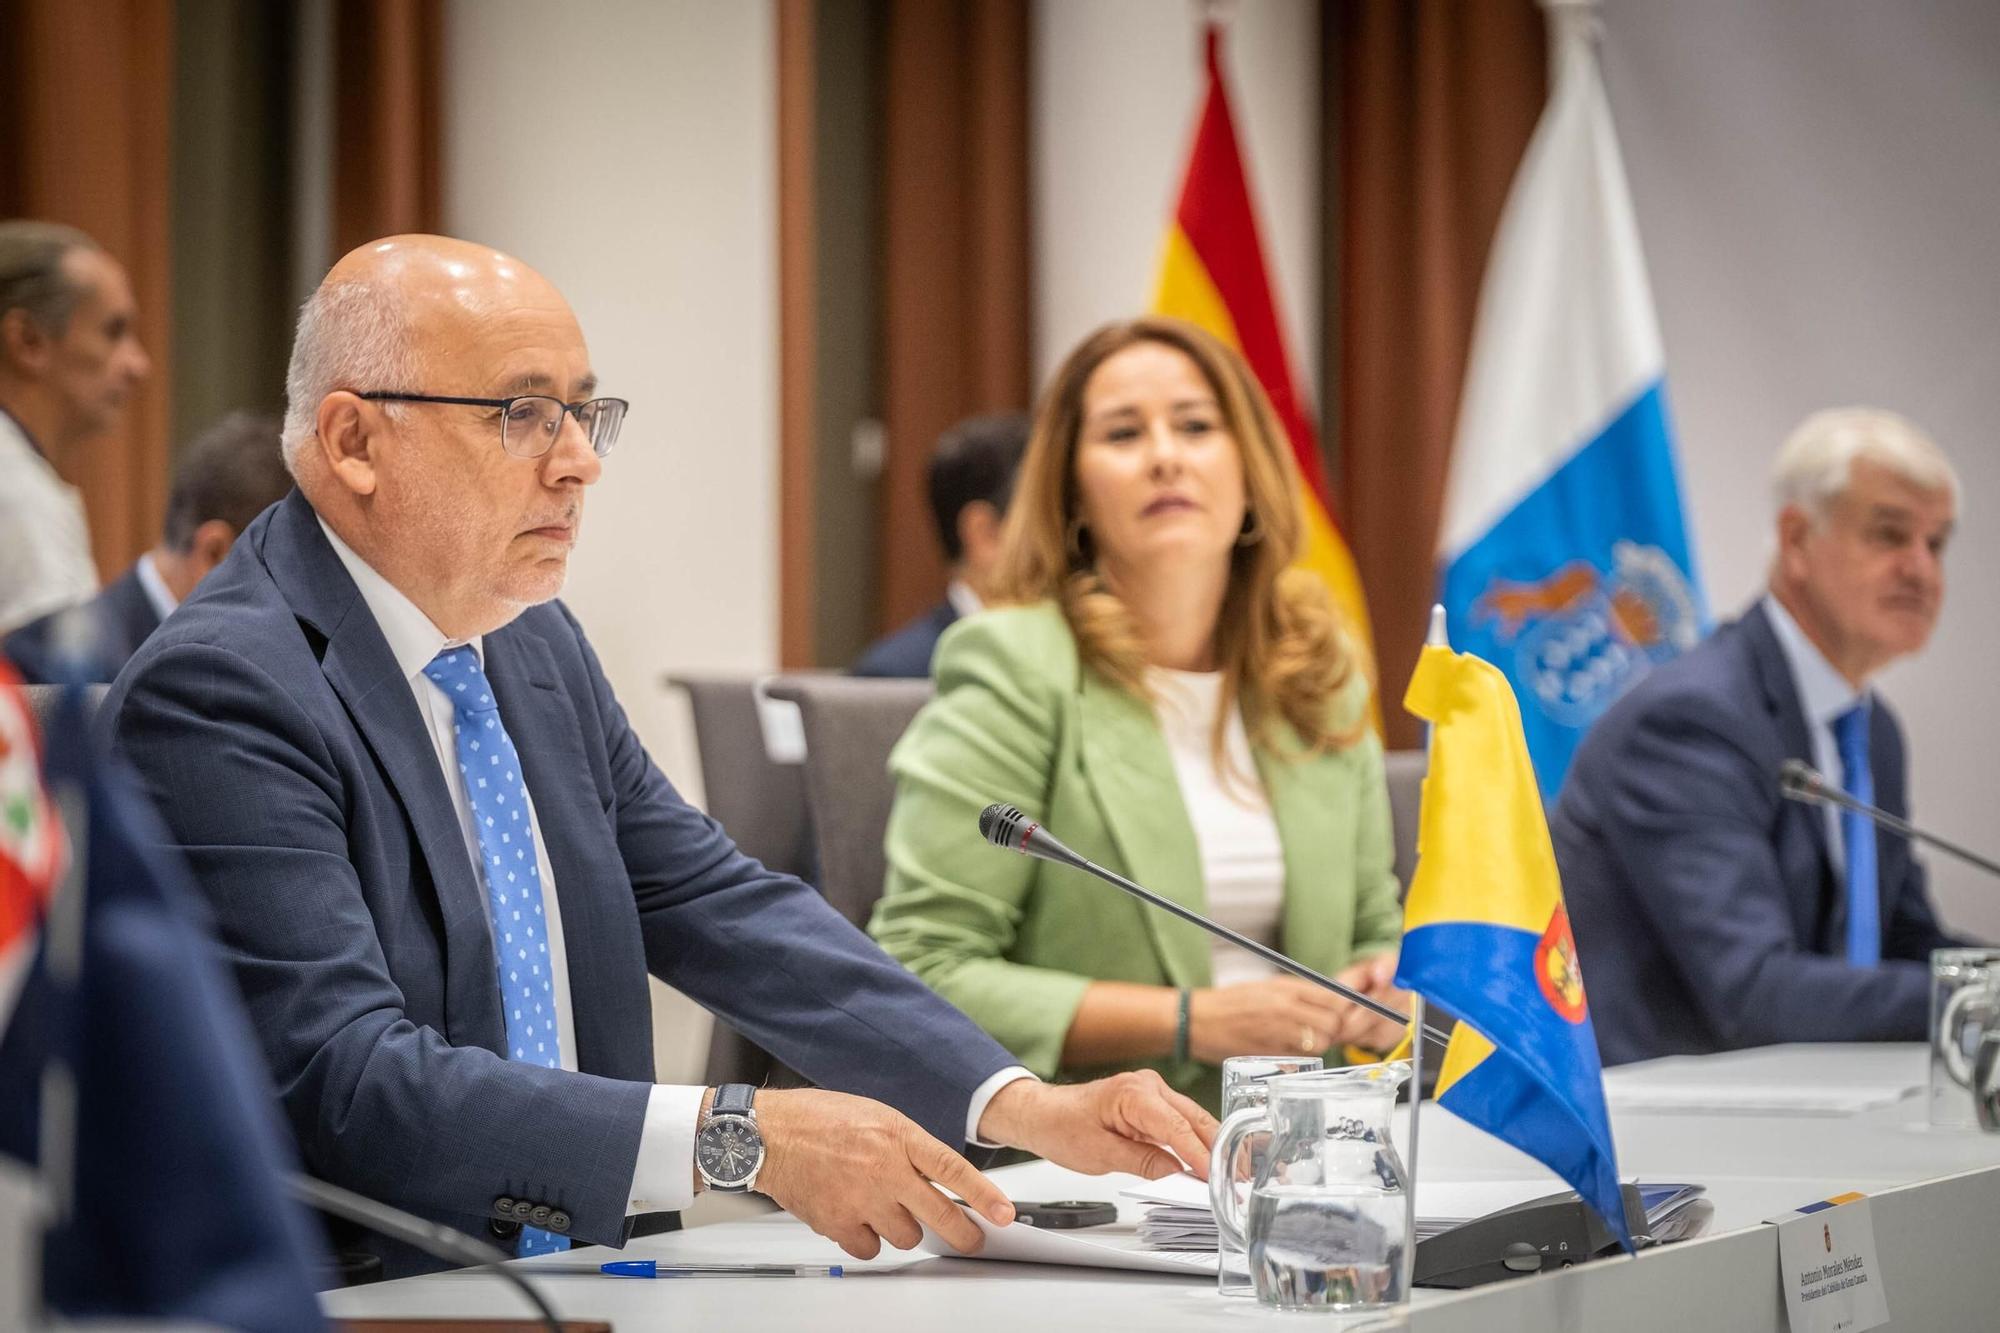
(1565, 554)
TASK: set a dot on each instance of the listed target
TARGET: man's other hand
(1129, 1122)
(860, 1173)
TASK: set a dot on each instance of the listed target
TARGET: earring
(1074, 536)
(1252, 531)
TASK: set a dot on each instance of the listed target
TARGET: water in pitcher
(1322, 1246)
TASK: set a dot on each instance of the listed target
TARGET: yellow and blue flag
(1486, 936)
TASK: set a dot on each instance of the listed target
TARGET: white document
(1114, 1245)
(1828, 1268)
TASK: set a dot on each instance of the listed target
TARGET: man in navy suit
(1710, 913)
(442, 864)
(227, 475)
(971, 478)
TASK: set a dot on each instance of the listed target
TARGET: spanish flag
(1212, 274)
(1486, 936)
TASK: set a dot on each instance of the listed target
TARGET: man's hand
(860, 1173)
(1128, 1122)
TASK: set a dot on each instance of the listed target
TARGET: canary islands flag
(1564, 549)
(1485, 935)
(1212, 275)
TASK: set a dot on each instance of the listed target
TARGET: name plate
(1828, 1269)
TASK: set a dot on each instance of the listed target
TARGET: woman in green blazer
(1169, 696)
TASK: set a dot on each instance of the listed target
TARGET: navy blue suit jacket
(124, 619)
(907, 652)
(284, 748)
(1707, 912)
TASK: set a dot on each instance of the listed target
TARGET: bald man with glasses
(443, 865)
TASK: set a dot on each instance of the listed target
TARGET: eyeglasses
(530, 423)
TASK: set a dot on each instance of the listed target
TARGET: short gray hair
(1817, 460)
(31, 270)
(351, 335)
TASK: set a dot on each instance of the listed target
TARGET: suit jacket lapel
(1302, 808)
(363, 673)
(1130, 773)
(1781, 696)
(583, 856)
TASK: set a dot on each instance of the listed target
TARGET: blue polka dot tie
(498, 797)
(1864, 930)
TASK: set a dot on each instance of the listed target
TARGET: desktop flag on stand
(1486, 936)
(1212, 274)
(129, 1076)
(1565, 554)
(31, 842)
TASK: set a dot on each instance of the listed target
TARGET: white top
(1242, 859)
(45, 561)
(1824, 694)
(663, 1178)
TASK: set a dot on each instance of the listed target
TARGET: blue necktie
(498, 796)
(1864, 928)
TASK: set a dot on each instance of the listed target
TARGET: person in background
(226, 476)
(971, 476)
(1163, 691)
(442, 864)
(69, 361)
(1710, 912)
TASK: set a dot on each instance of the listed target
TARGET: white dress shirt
(1824, 694)
(663, 1178)
(45, 561)
(158, 595)
(1242, 859)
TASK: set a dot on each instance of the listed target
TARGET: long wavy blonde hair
(1277, 637)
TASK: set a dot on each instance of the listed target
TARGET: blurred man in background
(971, 477)
(69, 361)
(227, 476)
(1710, 912)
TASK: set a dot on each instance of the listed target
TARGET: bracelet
(1181, 1028)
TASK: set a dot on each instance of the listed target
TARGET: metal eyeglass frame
(506, 406)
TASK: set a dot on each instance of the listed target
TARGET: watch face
(729, 1149)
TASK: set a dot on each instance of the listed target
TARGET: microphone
(1800, 781)
(1005, 826)
(434, 1239)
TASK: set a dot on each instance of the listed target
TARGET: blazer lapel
(1131, 775)
(1302, 806)
(363, 673)
(1781, 696)
(583, 854)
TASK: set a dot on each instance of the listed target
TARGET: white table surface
(1936, 1200)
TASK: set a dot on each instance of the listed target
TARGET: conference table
(1767, 1131)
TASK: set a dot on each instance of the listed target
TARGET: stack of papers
(1176, 1216)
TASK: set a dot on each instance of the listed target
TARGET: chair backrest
(1405, 771)
(762, 805)
(851, 724)
(760, 802)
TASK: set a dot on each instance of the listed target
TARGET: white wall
(627, 149)
(1818, 183)
(1116, 87)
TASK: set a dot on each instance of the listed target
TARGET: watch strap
(732, 1099)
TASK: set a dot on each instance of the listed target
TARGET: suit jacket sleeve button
(523, 1210)
(503, 1206)
(540, 1217)
(559, 1220)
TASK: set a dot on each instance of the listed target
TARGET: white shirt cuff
(982, 1096)
(663, 1181)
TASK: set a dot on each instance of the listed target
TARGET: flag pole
(1436, 637)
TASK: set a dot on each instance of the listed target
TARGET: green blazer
(1014, 941)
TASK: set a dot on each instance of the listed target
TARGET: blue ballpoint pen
(655, 1268)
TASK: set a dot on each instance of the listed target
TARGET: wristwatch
(728, 1149)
